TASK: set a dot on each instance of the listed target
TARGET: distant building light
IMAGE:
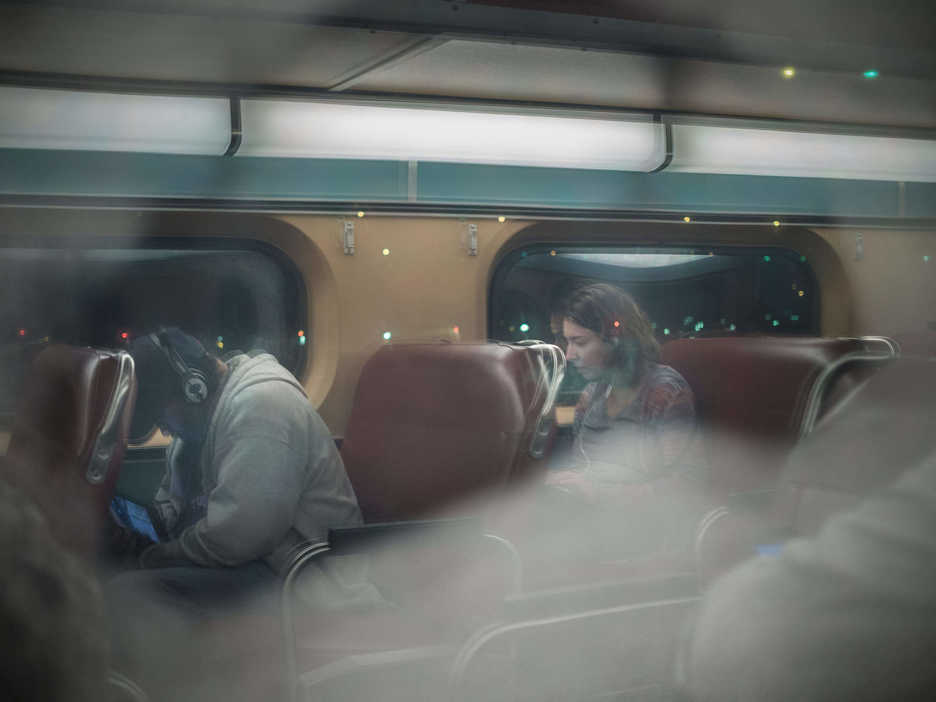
(870, 74)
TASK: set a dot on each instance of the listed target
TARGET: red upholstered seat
(433, 424)
(753, 398)
(69, 437)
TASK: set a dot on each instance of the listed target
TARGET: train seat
(882, 428)
(433, 424)
(68, 439)
(756, 396)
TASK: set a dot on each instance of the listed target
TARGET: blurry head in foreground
(54, 638)
(608, 335)
(176, 379)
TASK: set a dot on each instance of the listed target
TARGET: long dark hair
(617, 319)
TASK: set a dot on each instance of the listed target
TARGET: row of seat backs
(433, 424)
(884, 427)
(757, 396)
(69, 436)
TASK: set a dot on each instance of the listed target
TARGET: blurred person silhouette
(633, 465)
(52, 622)
(252, 474)
(847, 615)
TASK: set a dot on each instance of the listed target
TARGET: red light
(124, 335)
(617, 323)
(22, 332)
(301, 333)
(456, 330)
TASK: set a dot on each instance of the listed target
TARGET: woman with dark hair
(634, 423)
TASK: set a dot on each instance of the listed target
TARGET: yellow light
(552, 253)
(776, 222)
(386, 252)
(789, 72)
(360, 213)
(502, 219)
(220, 344)
(687, 219)
(801, 293)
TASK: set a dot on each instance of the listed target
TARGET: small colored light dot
(732, 327)
(220, 344)
(298, 333)
(789, 72)
(552, 253)
(456, 330)
(302, 341)
(22, 332)
(387, 336)
(523, 254)
(766, 259)
(794, 317)
(617, 323)
(502, 219)
(687, 219)
(360, 213)
(665, 332)
(801, 293)
(776, 323)
(870, 74)
(386, 252)
(124, 335)
(926, 259)
(220, 338)
(776, 222)
(524, 327)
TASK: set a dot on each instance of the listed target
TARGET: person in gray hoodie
(252, 474)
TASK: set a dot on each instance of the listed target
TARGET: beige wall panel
(892, 285)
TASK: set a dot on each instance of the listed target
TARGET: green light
(794, 317)
(802, 259)
(302, 341)
(387, 336)
(776, 322)
(732, 328)
(666, 332)
(524, 327)
(766, 259)
(871, 74)
(926, 259)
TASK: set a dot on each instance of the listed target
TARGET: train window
(232, 295)
(684, 292)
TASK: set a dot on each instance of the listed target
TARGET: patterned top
(652, 438)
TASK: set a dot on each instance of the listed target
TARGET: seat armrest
(730, 534)
(358, 539)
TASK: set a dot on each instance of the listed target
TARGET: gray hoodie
(271, 476)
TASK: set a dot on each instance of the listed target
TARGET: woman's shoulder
(665, 386)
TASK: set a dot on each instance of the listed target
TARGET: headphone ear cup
(194, 387)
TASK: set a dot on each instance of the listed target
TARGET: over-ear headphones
(194, 380)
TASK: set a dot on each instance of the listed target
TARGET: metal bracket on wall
(472, 239)
(347, 238)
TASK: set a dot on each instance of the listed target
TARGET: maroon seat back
(755, 396)
(69, 437)
(434, 423)
(886, 426)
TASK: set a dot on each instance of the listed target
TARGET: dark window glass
(684, 292)
(231, 295)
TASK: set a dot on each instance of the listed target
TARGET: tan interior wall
(891, 284)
